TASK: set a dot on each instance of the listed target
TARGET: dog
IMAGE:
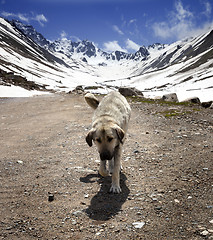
(109, 127)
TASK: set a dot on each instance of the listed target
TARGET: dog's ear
(120, 133)
(89, 137)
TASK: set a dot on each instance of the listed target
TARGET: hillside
(184, 67)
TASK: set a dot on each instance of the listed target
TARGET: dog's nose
(106, 155)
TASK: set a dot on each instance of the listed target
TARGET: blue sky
(113, 24)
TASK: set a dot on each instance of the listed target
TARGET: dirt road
(50, 189)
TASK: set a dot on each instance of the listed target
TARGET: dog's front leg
(102, 170)
(115, 188)
(111, 165)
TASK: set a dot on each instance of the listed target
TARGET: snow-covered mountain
(184, 67)
(30, 32)
(21, 56)
(84, 50)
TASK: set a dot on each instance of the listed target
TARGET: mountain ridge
(84, 48)
(185, 66)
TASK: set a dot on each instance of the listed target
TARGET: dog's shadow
(105, 205)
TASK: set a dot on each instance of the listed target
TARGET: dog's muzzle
(106, 155)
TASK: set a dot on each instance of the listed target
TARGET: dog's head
(106, 139)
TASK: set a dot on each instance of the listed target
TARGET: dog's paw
(103, 173)
(115, 189)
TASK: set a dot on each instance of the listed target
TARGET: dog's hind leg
(115, 188)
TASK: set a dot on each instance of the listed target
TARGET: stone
(136, 151)
(77, 213)
(204, 233)
(195, 100)
(172, 97)
(138, 224)
(129, 92)
(74, 222)
(79, 89)
(206, 104)
(50, 197)
(158, 208)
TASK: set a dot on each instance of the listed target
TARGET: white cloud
(20, 16)
(40, 18)
(162, 30)
(63, 35)
(75, 39)
(132, 21)
(208, 9)
(116, 29)
(181, 23)
(132, 45)
(181, 14)
(112, 46)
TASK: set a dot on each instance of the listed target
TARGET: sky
(123, 25)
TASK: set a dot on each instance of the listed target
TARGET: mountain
(30, 32)
(87, 51)
(191, 53)
(184, 67)
(84, 50)
(22, 60)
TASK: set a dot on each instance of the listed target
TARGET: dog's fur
(109, 127)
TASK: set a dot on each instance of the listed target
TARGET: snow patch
(15, 91)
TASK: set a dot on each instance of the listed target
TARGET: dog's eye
(98, 140)
(109, 139)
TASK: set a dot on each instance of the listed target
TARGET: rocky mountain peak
(85, 49)
(157, 46)
(29, 31)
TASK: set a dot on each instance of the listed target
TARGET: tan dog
(109, 127)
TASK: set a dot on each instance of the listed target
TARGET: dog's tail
(91, 100)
